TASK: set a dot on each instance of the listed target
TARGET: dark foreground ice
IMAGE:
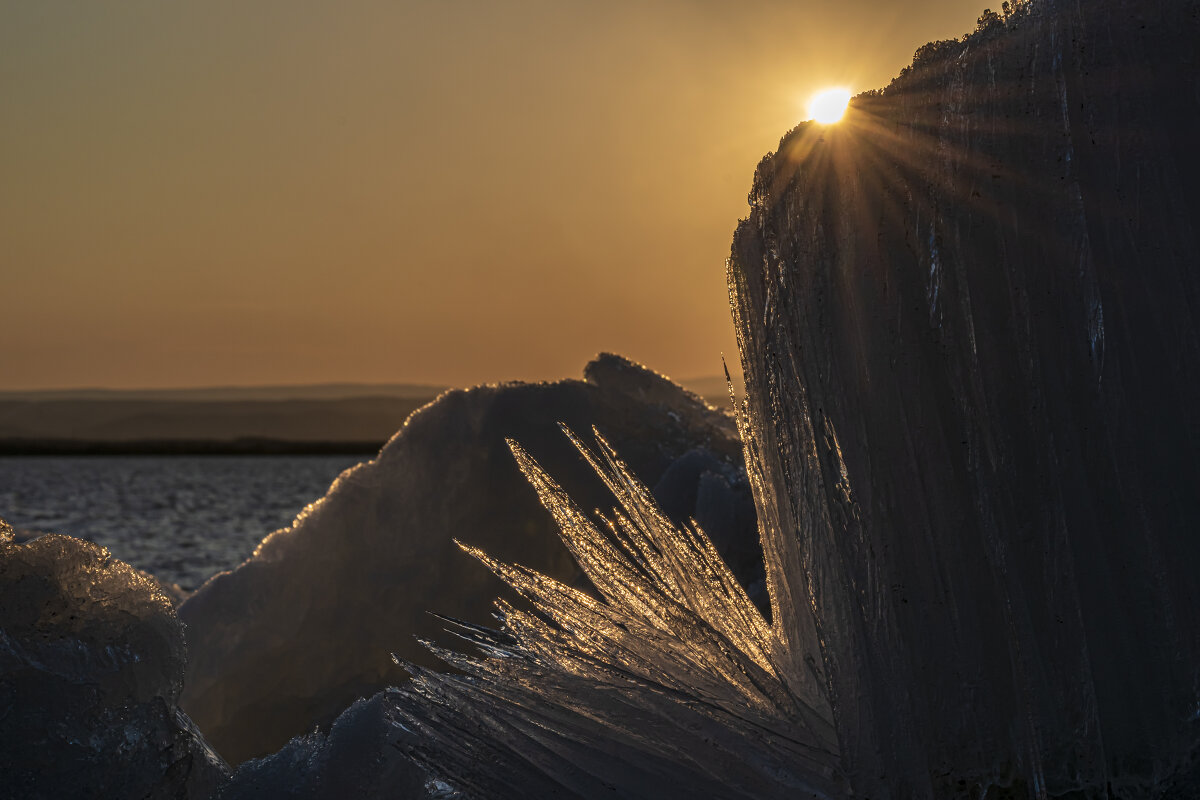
(91, 668)
(969, 318)
(357, 758)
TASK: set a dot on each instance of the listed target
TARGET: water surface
(182, 518)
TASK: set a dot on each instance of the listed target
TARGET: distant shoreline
(186, 447)
(206, 394)
(328, 419)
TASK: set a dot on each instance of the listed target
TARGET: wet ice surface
(181, 518)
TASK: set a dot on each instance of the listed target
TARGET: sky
(223, 192)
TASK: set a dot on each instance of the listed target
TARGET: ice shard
(665, 680)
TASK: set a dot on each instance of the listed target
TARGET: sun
(828, 105)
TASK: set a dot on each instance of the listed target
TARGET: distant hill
(318, 391)
(143, 425)
(334, 417)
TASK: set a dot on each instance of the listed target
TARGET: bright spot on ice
(828, 105)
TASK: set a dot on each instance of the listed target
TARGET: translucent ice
(665, 680)
(91, 665)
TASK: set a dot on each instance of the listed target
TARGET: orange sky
(225, 192)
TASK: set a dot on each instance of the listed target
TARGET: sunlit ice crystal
(665, 680)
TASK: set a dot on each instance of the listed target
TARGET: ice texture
(664, 681)
(357, 759)
(309, 623)
(91, 668)
(968, 320)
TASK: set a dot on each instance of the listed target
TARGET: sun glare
(828, 106)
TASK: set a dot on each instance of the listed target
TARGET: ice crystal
(667, 680)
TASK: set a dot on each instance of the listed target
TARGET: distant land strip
(248, 446)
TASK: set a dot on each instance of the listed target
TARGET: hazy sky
(445, 191)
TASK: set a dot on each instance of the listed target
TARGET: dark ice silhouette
(968, 320)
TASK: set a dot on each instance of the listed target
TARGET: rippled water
(182, 518)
